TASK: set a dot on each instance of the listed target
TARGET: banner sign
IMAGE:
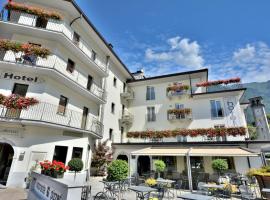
(20, 77)
(230, 104)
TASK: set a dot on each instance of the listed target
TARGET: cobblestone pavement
(13, 194)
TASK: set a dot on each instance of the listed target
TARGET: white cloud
(181, 52)
(251, 63)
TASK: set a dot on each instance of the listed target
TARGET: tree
(160, 166)
(75, 165)
(268, 118)
(117, 170)
(102, 156)
(252, 130)
(220, 165)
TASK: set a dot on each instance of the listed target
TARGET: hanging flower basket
(219, 82)
(18, 102)
(180, 111)
(177, 88)
(27, 49)
(41, 12)
(210, 132)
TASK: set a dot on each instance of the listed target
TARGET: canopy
(196, 151)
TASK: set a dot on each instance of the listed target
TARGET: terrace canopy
(196, 151)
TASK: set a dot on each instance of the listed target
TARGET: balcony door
(21, 90)
(84, 117)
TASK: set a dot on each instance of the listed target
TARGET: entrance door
(6, 157)
(143, 165)
(84, 117)
(21, 90)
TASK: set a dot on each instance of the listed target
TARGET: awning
(196, 151)
(159, 151)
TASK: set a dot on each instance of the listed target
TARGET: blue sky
(231, 38)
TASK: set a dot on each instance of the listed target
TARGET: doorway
(143, 165)
(122, 157)
(6, 158)
(84, 117)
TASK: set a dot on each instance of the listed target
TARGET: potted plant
(75, 165)
(54, 169)
(117, 170)
(151, 182)
(220, 165)
(263, 177)
(160, 166)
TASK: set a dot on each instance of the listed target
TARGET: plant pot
(57, 174)
(264, 182)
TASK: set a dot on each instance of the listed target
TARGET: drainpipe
(189, 170)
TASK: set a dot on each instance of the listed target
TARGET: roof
(169, 75)
(99, 34)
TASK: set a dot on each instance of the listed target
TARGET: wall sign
(20, 77)
(230, 104)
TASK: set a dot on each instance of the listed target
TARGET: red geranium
(15, 101)
(218, 82)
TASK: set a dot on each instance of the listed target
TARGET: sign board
(230, 104)
(45, 188)
(20, 77)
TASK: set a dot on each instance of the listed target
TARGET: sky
(231, 38)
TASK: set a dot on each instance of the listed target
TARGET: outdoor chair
(178, 186)
(246, 193)
(86, 192)
(159, 195)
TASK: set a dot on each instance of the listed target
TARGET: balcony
(56, 66)
(126, 118)
(45, 114)
(183, 114)
(178, 90)
(75, 42)
(127, 95)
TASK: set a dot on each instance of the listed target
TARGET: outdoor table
(266, 190)
(191, 196)
(212, 186)
(166, 183)
(142, 191)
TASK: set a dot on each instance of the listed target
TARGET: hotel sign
(20, 77)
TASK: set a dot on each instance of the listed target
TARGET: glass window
(60, 153)
(150, 93)
(77, 152)
(41, 22)
(151, 114)
(216, 109)
(62, 105)
(20, 89)
(94, 55)
(110, 134)
(70, 66)
(112, 108)
(114, 81)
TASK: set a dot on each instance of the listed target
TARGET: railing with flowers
(54, 62)
(54, 169)
(210, 132)
(24, 17)
(179, 114)
(177, 90)
(49, 113)
(14, 101)
(221, 85)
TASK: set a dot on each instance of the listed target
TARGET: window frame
(70, 66)
(78, 148)
(151, 114)
(114, 81)
(216, 109)
(150, 93)
(65, 106)
(113, 108)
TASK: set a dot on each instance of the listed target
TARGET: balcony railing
(219, 88)
(56, 63)
(26, 19)
(178, 93)
(183, 114)
(126, 118)
(48, 113)
(128, 95)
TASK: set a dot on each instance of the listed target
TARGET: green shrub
(75, 164)
(160, 165)
(117, 170)
(220, 165)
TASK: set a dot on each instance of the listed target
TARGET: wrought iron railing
(49, 113)
(126, 117)
(26, 19)
(56, 63)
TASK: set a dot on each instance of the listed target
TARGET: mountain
(257, 89)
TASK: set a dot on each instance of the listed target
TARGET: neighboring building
(70, 85)
(259, 114)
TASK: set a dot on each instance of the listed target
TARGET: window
(179, 115)
(179, 106)
(76, 38)
(124, 87)
(62, 105)
(20, 89)
(41, 22)
(216, 109)
(122, 134)
(112, 108)
(181, 138)
(70, 66)
(151, 114)
(114, 82)
(150, 93)
(94, 55)
(77, 152)
(110, 134)
(89, 82)
(107, 60)
(60, 153)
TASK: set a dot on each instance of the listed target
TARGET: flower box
(53, 169)
(219, 82)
